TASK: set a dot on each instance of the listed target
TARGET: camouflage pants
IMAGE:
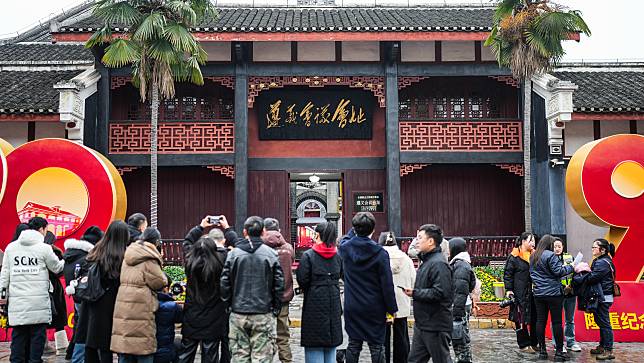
(463, 348)
(252, 338)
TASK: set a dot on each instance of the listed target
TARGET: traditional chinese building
(60, 221)
(319, 112)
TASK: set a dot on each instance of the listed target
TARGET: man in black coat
(433, 296)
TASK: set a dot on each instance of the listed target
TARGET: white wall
(217, 51)
(576, 134)
(417, 51)
(13, 132)
(361, 51)
(50, 129)
(457, 51)
(486, 54)
(581, 234)
(272, 51)
(609, 128)
(316, 51)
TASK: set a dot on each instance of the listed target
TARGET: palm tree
(160, 49)
(527, 37)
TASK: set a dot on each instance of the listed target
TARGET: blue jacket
(169, 313)
(602, 272)
(546, 275)
(368, 288)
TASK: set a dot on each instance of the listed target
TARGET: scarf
(324, 251)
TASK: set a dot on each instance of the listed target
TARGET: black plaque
(368, 202)
(315, 114)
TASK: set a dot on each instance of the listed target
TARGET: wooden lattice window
(171, 109)
(475, 109)
(188, 108)
(404, 110)
(440, 107)
(457, 107)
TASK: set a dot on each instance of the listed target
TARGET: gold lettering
(273, 118)
(291, 117)
(322, 117)
(341, 113)
(306, 113)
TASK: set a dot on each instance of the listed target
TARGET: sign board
(368, 202)
(305, 114)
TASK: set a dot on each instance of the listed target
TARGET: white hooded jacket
(25, 278)
(404, 274)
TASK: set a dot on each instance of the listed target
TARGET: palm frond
(116, 12)
(203, 9)
(151, 26)
(161, 51)
(100, 37)
(120, 53)
(183, 12)
(505, 8)
(180, 38)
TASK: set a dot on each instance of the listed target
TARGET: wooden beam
(618, 116)
(29, 117)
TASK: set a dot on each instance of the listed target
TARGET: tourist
(24, 285)
(205, 320)
(75, 253)
(59, 305)
(464, 281)
(413, 251)
(134, 328)
(168, 314)
(518, 286)
(318, 275)
(404, 275)
(136, 224)
(368, 289)
(546, 271)
(570, 300)
(252, 283)
(602, 272)
(98, 315)
(273, 238)
(433, 296)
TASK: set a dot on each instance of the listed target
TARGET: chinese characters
(341, 114)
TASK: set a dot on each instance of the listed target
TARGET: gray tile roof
(332, 20)
(42, 54)
(606, 91)
(31, 91)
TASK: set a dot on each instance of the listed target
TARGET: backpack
(89, 287)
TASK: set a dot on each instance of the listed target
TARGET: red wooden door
(373, 181)
(268, 196)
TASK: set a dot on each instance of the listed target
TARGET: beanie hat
(92, 235)
(456, 246)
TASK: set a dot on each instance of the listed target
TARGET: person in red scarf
(318, 275)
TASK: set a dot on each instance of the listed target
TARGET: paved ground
(489, 345)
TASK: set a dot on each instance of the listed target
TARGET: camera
(214, 219)
(507, 302)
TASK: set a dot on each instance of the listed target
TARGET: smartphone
(214, 219)
(403, 288)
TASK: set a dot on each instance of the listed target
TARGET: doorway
(315, 197)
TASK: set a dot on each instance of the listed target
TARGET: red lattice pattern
(406, 169)
(225, 170)
(174, 138)
(118, 81)
(461, 136)
(512, 168)
(509, 80)
(126, 169)
(374, 84)
(408, 81)
(226, 81)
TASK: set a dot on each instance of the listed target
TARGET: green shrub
(176, 273)
(488, 275)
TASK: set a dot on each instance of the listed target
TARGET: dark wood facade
(269, 197)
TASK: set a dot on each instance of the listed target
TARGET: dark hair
(19, 228)
(387, 239)
(328, 233)
(456, 246)
(363, 223)
(203, 266)
(254, 226)
(37, 223)
(271, 224)
(50, 238)
(109, 251)
(136, 219)
(545, 243)
(151, 235)
(524, 236)
(608, 247)
(433, 231)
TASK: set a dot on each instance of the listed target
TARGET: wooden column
(103, 109)
(241, 144)
(393, 148)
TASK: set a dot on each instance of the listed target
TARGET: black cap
(92, 235)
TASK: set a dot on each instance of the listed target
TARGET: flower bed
(488, 275)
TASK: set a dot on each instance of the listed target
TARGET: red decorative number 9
(605, 183)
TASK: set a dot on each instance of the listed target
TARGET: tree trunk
(154, 153)
(527, 139)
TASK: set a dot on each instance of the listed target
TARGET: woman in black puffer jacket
(546, 271)
(318, 275)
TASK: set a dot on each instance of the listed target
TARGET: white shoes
(575, 348)
(61, 341)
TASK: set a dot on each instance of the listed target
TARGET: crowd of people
(239, 287)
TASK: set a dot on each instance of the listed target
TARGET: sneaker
(561, 356)
(528, 350)
(597, 350)
(543, 355)
(575, 348)
(606, 355)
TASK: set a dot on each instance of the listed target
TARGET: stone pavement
(489, 345)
